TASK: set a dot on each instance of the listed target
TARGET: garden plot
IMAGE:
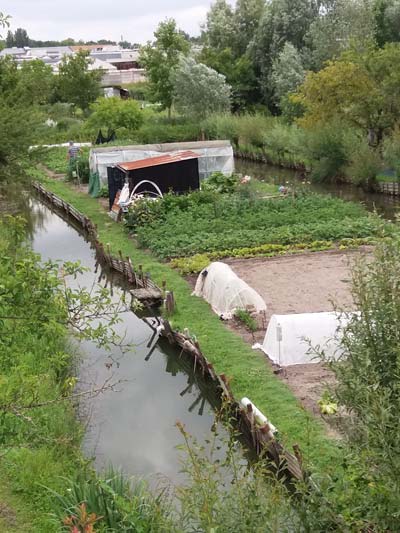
(303, 283)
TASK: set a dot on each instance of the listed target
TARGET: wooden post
(169, 302)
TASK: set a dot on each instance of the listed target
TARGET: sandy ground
(304, 283)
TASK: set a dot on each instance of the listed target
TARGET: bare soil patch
(304, 283)
(301, 283)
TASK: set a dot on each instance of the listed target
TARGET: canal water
(384, 204)
(132, 427)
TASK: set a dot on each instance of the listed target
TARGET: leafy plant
(112, 503)
(243, 316)
(207, 222)
(220, 183)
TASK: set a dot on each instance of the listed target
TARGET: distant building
(119, 65)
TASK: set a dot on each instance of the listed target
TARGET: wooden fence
(392, 188)
(143, 288)
(287, 465)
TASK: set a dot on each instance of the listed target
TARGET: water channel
(386, 205)
(132, 428)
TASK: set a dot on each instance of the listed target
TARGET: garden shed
(225, 291)
(158, 175)
(212, 156)
(289, 337)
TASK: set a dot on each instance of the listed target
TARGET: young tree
(161, 58)
(113, 114)
(200, 90)
(287, 72)
(77, 84)
(36, 82)
(363, 91)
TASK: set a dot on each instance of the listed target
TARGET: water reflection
(133, 428)
(386, 205)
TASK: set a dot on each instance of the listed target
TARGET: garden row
(224, 225)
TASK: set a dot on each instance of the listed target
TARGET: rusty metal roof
(158, 160)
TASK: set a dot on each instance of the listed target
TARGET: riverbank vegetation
(40, 435)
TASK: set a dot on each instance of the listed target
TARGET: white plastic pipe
(258, 415)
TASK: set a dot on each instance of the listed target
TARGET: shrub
(325, 146)
(364, 164)
(367, 387)
(143, 212)
(220, 183)
(114, 113)
(391, 151)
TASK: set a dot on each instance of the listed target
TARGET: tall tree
(21, 38)
(161, 58)
(10, 39)
(36, 82)
(77, 84)
(220, 26)
(387, 19)
(200, 90)
(246, 20)
(287, 72)
(343, 24)
(283, 21)
(363, 91)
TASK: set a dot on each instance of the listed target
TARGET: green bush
(326, 148)
(220, 183)
(367, 388)
(364, 164)
(391, 151)
(114, 113)
(143, 212)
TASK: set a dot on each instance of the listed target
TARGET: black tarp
(178, 177)
(116, 181)
(102, 139)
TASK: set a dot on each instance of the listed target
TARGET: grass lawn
(248, 369)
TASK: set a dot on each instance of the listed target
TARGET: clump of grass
(243, 316)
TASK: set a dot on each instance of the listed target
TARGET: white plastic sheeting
(225, 291)
(289, 337)
(213, 156)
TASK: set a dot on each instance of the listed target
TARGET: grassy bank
(40, 437)
(229, 353)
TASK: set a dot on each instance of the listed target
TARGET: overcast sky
(135, 20)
